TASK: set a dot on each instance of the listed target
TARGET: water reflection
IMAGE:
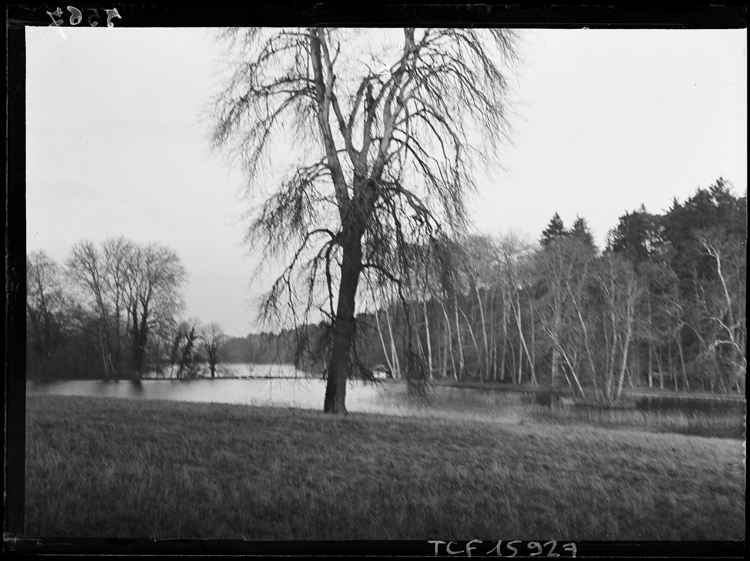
(302, 393)
(137, 387)
(240, 370)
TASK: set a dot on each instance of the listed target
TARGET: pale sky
(604, 120)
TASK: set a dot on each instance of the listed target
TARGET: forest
(661, 306)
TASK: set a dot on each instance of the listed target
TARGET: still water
(281, 392)
(284, 386)
(240, 371)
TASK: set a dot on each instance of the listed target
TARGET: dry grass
(127, 468)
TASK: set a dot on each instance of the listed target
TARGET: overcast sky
(604, 120)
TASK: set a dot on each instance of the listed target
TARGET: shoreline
(634, 393)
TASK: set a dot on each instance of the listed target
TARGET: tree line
(662, 306)
(111, 311)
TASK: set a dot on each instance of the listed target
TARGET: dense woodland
(663, 306)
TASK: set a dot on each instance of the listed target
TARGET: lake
(303, 393)
(241, 371)
(285, 386)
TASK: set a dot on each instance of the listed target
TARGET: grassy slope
(106, 467)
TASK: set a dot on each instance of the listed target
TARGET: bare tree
(380, 304)
(515, 253)
(560, 266)
(212, 338)
(155, 274)
(394, 352)
(182, 357)
(449, 338)
(620, 291)
(729, 314)
(86, 266)
(481, 257)
(45, 307)
(115, 253)
(381, 124)
(131, 288)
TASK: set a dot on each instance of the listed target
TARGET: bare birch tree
(729, 313)
(619, 291)
(515, 253)
(557, 266)
(155, 274)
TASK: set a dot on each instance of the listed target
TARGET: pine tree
(637, 236)
(581, 231)
(555, 230)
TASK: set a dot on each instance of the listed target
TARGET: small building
(381, 371)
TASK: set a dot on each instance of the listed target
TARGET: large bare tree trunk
(343, 329)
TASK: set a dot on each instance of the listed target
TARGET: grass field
(126, 468)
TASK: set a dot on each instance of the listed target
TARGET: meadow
(99, 467)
